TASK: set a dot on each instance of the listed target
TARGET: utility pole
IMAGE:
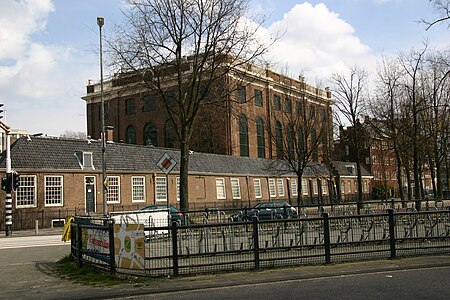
(9, 182)
(100, 23)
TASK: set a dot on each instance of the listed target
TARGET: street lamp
(100, 23)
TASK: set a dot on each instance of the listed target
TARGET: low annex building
(65, 174)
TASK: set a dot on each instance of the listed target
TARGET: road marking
(31, 241)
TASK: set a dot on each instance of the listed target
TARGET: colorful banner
(129, 246)
(97, 243)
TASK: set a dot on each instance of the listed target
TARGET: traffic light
(15, 181)
(5, 184)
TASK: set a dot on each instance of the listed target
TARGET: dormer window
(350, 169)
(85, 160)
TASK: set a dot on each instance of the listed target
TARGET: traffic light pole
(8, 200)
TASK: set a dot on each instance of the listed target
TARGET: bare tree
(73, 134)
(412, 65)
(349, 89)
(184, 49)
(435, 83)
(300, 130)
(387, 110)
(442, 10)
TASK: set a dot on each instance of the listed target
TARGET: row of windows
(53, 195)
(53, 191)
(261, 143)
(241, 95)
(148, 104)
(26, 195)
(276, 188)
(150, 135)
(349, 190)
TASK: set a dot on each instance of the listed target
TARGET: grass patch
(67, 268)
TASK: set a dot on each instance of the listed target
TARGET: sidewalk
(32, 232)
(38, 280)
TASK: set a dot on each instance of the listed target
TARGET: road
(26, 273)
(31, 241)
(428, 283)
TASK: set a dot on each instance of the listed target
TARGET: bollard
(36, 227)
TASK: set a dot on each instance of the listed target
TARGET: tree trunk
(184, 176)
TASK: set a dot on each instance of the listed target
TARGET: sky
(49, 48)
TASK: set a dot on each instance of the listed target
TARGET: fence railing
(205, 248)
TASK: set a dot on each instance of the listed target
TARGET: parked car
(175, 214)
(266, 211)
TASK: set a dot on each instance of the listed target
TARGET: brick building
(63, 176)
(255, 104)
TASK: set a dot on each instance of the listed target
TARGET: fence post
(72, 239)
(112, 255)
(175, 248)
(256, 241)
(79, 245)
(326, 237)
(392, 232)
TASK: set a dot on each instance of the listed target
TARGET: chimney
(109, 134)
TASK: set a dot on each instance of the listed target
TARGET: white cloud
(40, 83)
(18, 21)
(381, 1)
(317, 42)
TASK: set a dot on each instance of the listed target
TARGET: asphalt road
(428, 283)
(27, 272)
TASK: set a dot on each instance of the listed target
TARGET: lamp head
(100, 21)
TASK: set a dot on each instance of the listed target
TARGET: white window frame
(236, 193)
(138, 189)
(25, 191)
(177, 182)
(315, 187)
(280, 186)
(342, 187)
(257, 186)
(365, 186)
(88, 160)
(113, 193)
(272, 188)
(305, 189)
(349, 186)
(294, 188)
(324, 187)
(58, 221)
(51, 191)
(221, 192)
(160, 189)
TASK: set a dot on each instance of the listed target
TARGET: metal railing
(216, 247)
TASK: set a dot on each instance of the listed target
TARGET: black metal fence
(43, 218)
(206, 248)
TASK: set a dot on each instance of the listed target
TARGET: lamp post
(100, 22)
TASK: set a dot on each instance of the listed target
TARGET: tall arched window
(315, 154)
(301, 144)
(150, 135)
(279, 139)
(290, 140)
(260, 138)
(169, 135)
(131, 135)
(243, 135)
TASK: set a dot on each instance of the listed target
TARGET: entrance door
(89, 182)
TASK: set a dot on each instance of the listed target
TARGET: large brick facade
(217, 127)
